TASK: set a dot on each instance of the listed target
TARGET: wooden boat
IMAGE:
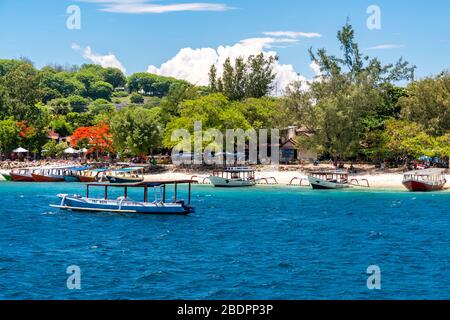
(328, 180)
(91, 175)
(126, 175)
(5, 176)
(22, 175)
(73, 174)
(50, 174)
(233, 178)
(424, 180)
(160, 205)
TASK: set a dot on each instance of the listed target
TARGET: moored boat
(22, 175)
(50, 174)
(233, 178)
(328, 180)
(73, 174)
(91, 175)
(424, 180)
(124, 204)
(126, 175)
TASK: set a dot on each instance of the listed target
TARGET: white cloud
(386, 46)
(316, 68)
(142, 6)
(106, 61)
(292, 34)
(193, 64)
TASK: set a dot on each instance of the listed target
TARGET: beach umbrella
(71, 151)
(20, 150)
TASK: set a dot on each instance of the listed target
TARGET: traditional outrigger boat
(233, 178)
(328, 180)
(91, 175)
(126, 175)
(424, 180)
(123, 204)
(50, 174)
(73, 174)
(22, 175)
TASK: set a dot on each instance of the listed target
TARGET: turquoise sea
(260, 243)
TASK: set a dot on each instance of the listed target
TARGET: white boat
(328, 180)
(123, 204)
(233, 178)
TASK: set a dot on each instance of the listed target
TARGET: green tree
(354, 97)
(101, 90)
(101, 106)
(9, 135)
(136, 131)
(136, 98)
(114, 77)
(428, 102)
(214, 111)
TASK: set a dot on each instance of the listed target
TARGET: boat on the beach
(233, 178)
(91, 175)
(22, 175)
(73, 174)
(50, 174)
(126, 175)
(159, 205)
(326, 180)
(424, 180)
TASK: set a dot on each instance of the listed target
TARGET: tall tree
(136, 130)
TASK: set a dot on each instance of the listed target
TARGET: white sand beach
(391, 181)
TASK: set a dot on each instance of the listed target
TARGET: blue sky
(416, 30)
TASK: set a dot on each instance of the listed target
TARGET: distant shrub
(137, 98)
(120, 94)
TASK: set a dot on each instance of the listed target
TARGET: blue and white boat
(126, 175)
(123, 204)
(73, 174)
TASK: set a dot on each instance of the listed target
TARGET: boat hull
(71, 179)
(43, 178)
(418, 186)
(319, 184)
(88, 179)
(220, 182)
(113, 179)
(77, 203)
(21, 177)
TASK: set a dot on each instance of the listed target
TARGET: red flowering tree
(96, 139)
(26, 132)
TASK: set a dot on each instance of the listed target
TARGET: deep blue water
(260, 243)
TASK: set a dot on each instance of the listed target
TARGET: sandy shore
(376, 181)
(284, 177)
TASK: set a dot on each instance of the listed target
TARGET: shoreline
(379, 181)
(389, 179)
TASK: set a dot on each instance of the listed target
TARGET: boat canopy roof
(425, 172)
(326, 172)
(81, 168)
(237, 170)
(131, 169)
(144, 184)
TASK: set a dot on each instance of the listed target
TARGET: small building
(290, 150)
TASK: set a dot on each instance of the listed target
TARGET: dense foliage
(354, 109)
